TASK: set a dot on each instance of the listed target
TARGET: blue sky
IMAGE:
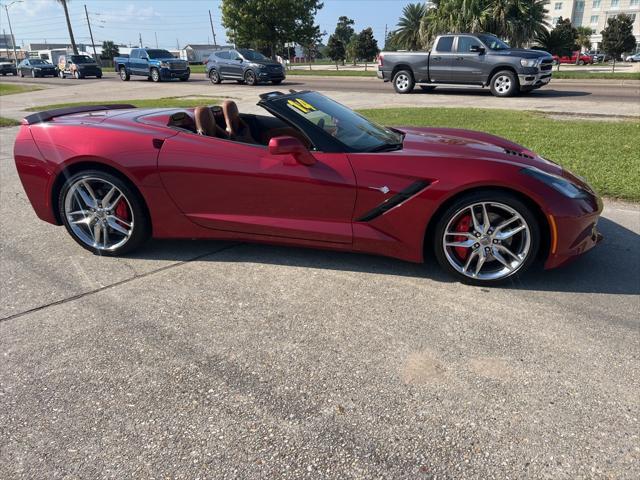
(183, 21)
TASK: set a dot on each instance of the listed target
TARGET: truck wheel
(155, 75)
(61, 74)
(504, 84)
(403, 82)
(124, 75)
(77, 75)
(427, 88)
(580, 62)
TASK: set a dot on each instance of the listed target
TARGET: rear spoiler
(60, 112)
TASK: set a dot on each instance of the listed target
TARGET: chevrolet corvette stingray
(318, 175)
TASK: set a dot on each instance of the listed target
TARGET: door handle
(459, 58)
(437, 58)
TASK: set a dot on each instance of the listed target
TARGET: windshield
(344, 124)
(37, 61)
(493, 43)
(82, 59)
(252, 55)
(159, 54)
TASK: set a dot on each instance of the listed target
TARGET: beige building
(594, 14)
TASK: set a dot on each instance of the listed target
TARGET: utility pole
(93, 44)
(140, 36)
(13, 40)
(156, 34)
(212, 30)
(385, 37)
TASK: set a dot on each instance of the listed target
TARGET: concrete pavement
(609, 98)
(208, 359)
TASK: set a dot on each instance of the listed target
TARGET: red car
(115, 175)
(581, 58)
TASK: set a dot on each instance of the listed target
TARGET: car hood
(522, 53)
(269, 63)
(468, 144)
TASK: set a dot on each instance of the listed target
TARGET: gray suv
(244, 66)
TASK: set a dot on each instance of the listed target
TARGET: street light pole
(93, 44)
(13, 39)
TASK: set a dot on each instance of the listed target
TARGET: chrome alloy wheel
(502, 84)
(402, 82)
(98, 213)
(487, 241)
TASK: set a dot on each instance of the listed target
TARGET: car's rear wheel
(103, 213)
(155, 75)
(250, 78)
(124, 75)
(486, 238)
(504, 84)
(403, 81)
(580, 62)
(214, 76)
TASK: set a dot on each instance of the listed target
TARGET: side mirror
(291, 146)
(477, 49)
(239, 59)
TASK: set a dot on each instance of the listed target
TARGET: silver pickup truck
(468, 59)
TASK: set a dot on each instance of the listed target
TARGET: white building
(594, 14)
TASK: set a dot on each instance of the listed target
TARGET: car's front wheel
(250, 78)
(403, 81)
(124, 75)
(504, 84)
(103, 213)
(487, 237)
(155, 75)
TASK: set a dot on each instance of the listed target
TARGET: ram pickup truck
(468, 59)
(153, 63)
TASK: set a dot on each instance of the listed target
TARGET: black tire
(504, 84)
(214, 76)
(141, 223)
(276, 82)
(124, 75)
(495, 197)
(4, 74)
(33, 73)
(21, 74)
(155, 75)
(580, 62)
(77, 75)
(250, 78)
(427, 88)
(403, 82)
(98, 76)
(61, 75)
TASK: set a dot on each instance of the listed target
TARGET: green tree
(268, 24)
(560, 41)
(352, 48)
(336, 50)
(583, 38)
(66, 14)
(344, 30)
(109, 50)
(367, 46)
(407, 36)
(617, 37)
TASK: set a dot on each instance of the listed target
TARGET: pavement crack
(117, 284)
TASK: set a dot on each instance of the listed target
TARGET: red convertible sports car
(313, 173)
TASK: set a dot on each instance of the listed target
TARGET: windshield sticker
(301, 105)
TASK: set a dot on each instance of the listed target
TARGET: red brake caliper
(463, 225)
(122, 211)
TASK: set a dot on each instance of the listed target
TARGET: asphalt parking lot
(198, 359)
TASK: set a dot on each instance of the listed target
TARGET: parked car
(633, 58)
(575, 58)
(155, 64)
(78, 66)
(36, 67)
(598, 57)
(467, 59)
(315, 174)
(8, 67)
(243, 65)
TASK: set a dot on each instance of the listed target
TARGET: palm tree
(583, 40)
(66, 14)
(408, 32)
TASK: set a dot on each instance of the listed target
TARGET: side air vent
(394, 201)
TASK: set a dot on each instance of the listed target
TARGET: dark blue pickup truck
(153, 63)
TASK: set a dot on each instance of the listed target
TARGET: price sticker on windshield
(301, 105)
